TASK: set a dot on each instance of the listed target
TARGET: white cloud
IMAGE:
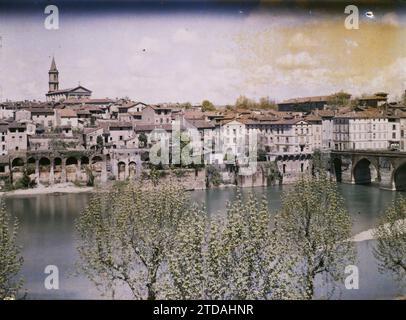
(299, 60)
(299, 40)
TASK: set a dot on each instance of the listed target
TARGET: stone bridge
(386, 169)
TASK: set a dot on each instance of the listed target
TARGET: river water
(47, 236)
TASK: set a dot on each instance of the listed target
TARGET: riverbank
(54, 189)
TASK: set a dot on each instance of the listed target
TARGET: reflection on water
(47, 236)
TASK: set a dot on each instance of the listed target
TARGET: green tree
(266, 103)
(314, 226)
(339, 99)
(186, 105)
(232, 256)
(208, 106)
(243, 102)
(390, 249)
(142, 140)
(261, 155)
(244, 259)
(126, 234)
(99, 142)
(10, 257)
(25, 181)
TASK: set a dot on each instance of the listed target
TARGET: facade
(16, 138)
(361, 131)
(44, 117)
(156, 115)
(67, 117)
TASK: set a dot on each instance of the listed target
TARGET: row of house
(105, 125)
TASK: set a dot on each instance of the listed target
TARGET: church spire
(53, 65)
(53, 74)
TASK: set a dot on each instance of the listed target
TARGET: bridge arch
(338, 171)
(399, 177)
(365, 172)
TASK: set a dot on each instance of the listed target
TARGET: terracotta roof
(67, 113)
(202, 124)
(362, 115)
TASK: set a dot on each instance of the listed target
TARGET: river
(47, 236)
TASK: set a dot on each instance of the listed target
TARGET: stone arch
(84, 167)
(17, 163)
(132, 169)
(17, 168)
(84, 160)
(44, 166)
(338, 171)
(31, 164)
(121, 168)
(71, 169)
(57, 169)
(97, 163)
(364, 172)
(399, 177)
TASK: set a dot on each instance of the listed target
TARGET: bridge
(50, 167)
(386, 169)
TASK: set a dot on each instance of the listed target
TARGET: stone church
(56, 94)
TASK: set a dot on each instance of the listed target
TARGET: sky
(187, 53)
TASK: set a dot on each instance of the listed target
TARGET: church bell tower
(53, 77)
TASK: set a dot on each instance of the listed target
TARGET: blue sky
(190, 54)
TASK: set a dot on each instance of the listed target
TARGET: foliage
(339, 99)
(244, 260)
(272, 172)
(213, 176)
(403, 101)
(185, 105)
(243, 102)
(266, 103)
(142, 140)
(179, 173)
(99, 143)
(90, 177)
(314, 226)
(261, 155)
(390, 249)
(58, 144)
(10, 258)
(319, 163)
(154, 174)
(7, 185)
(208, 106)
(126, 235)
(25, 181)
